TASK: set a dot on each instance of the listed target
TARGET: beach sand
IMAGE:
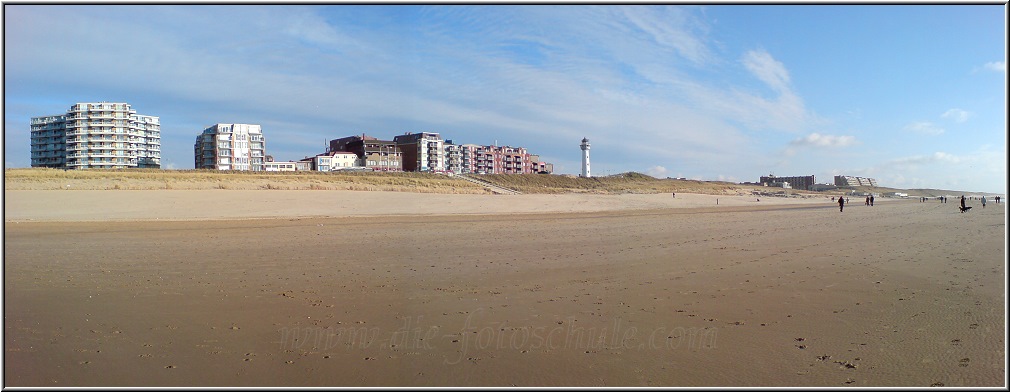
(341, 288)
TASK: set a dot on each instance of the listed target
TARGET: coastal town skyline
(710, 92)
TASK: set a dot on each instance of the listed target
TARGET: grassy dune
(138, 179)
(621, 183)
(146, 179)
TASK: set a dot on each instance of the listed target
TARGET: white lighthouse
(585, 157)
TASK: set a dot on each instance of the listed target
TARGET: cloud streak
(925, 128)
(996, 66)
(956, 115)
(818, 140)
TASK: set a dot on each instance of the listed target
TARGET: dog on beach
(964, 209)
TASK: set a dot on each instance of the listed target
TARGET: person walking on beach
(962, 203)
(841, 204)
(983, 201)
(871, 200)
(867, 202)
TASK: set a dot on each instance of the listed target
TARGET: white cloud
(670, 28)
(957, 115)
(937, 157)
(997, 66)
(766, 68)
(924, 127)
(818, 140)
(656, 171)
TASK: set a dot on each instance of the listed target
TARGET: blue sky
(912, 95)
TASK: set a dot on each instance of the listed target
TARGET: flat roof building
(422, 152)
(96, 135)
(230, 147)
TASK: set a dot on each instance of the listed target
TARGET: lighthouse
(585, 157)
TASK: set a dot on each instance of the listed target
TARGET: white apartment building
(454, 157)
(96, 135)
(230, 147)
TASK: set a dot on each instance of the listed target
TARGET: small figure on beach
(832, 199)
(841, 204)
(983, 201)
(867, 202)
(871, 200)
(674, 195)
(963, 208)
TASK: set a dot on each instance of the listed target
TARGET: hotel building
(97, 135)
(230, 147)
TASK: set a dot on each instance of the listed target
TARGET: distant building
(539, 166)
(427, 151)
(503, 160)
(230, 147)
(280, 166)
(823, 187)
(96, 135)
(795, 182)
(454, 157)
(854, 181)
(372, 153)
(497, 160)
(422, 152)
(333, 161)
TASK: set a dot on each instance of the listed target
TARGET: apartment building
(854, 181)
(472, 158)
(230, 147)
(422, 151)
(427, 151)
(453, 157)
(539, 166)
(96, 135)
(502, 160)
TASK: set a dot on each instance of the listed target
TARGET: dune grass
(620, 183)
(140, 179)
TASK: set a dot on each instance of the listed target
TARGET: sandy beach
(343, 288)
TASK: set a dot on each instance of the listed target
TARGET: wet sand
(509, 291)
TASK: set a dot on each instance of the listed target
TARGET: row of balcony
(120, 138)
(99, 150)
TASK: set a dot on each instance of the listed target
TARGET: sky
(912, 95)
